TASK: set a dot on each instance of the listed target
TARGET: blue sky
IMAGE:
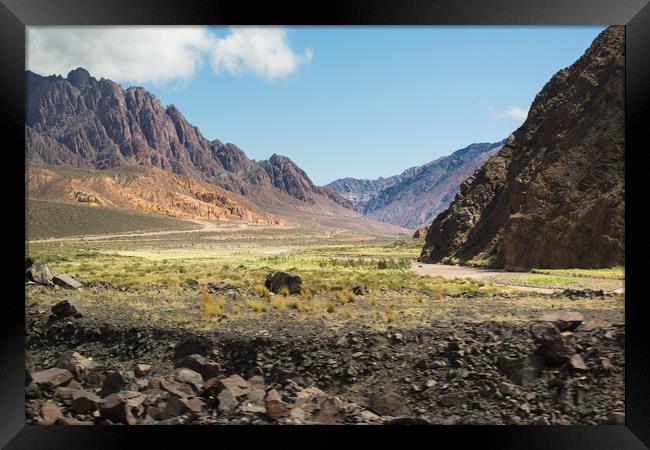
(364, 101)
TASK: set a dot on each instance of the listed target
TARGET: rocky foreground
(552, 370)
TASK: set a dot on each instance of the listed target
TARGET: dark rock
(116, 408)
(51, 378)
(360, 289)
(275, 282)
(65, 309)
(505, 215)
(113, 382)
(556, 348)
(84, 401)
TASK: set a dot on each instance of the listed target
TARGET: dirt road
(207, 228)
(520, 281)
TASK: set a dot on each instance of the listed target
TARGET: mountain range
(554, 195)
(417, 195)
(97, 125)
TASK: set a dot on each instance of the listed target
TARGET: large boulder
(38, 272)
(275, 282)
(66, 281)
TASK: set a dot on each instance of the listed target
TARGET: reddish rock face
(553, 196)
(82, 122)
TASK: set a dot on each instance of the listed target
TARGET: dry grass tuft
(284, 291)
(330, 307)
(262, 291)
(278, 302)
(292, 303)
(389, 315)
(345, 297)
(257, 305)
(213, 308)
(306, 293)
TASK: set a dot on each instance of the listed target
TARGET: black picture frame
(15, 15)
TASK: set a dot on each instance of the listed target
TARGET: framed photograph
(307, 219)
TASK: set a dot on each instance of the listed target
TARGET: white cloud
(512, 112)
(160, 54)
(137, 54)
(265, 51)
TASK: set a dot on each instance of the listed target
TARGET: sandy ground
(503, 277)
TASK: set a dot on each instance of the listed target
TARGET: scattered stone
(116, 408)
(275, 282)
(65, 309)
(113, 382)
(275, 407)
(360, 289)
(142, 369)
(564, 320)
(606, 365)
(84, 401)
(77, 364)
(556, 348)
(332, 410)
(51, 378)
(204, 366)
(188, 376)
(65, 280)
(506, 388)
(50, 413)
(577, 364)
(227, 401)
(387, 404)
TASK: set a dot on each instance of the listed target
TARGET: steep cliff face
(553, 196)
(417, 195)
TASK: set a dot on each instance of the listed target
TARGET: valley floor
(425, 342)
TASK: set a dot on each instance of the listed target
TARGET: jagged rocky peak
(553, 196)
(79, 77)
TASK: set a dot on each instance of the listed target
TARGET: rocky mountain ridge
(416, 196)
(554, 195)
(83, 122)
